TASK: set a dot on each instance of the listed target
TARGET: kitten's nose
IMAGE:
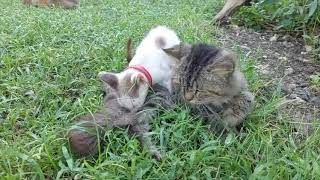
(188, 96)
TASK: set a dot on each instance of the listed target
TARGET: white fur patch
(150, 55)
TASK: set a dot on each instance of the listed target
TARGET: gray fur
(205, 77)
(209, 80)
(84, 137)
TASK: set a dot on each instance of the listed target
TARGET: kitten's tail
(129, 50)
(26, 2)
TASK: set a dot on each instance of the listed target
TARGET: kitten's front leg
(141, 132)
(240, 107)
(161, 98)
(208, 112)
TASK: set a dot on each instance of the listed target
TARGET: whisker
(135, 82)
(124, 98)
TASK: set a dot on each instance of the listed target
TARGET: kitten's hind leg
(86, 136)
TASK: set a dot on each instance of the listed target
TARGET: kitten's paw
(230, 121)
(156, 154)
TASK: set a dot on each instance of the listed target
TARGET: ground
(49, 60)
(283, 61)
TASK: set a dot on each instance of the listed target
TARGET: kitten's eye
(111, 97)
(214, 93)
(199, 93)
(124, 109)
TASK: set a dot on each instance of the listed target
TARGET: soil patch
(282, 58)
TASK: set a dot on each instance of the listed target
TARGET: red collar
(144, 71)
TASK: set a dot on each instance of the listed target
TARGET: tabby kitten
(84, 137)
(68, 4)
(208, 78)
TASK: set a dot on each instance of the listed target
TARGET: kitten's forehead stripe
(198, 58)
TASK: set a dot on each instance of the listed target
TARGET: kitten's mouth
(195, 102)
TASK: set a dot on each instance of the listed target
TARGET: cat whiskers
(124, 98)
(135, 83)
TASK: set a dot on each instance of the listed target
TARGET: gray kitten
(208, 78)
(84, 137)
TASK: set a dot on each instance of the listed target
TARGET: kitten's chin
(194, 101)
(134, 103)
(131, 103)
(199, 102)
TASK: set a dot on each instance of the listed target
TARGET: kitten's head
(129, 87)
(206, 73)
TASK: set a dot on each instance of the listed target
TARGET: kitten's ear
(225, 64)
(138, 79)
(179, 50)
(110, 78)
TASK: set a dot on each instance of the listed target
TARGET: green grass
(49, 60)
(315, 79)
